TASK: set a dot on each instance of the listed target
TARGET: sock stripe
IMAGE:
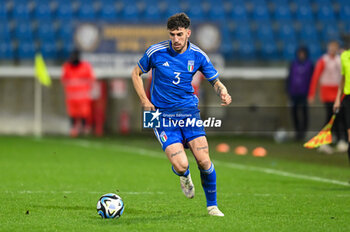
(185, 174)
(210, 170)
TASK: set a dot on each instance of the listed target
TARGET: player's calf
(186, 183)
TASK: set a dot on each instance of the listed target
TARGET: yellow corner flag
(323, 137)
(41, 71)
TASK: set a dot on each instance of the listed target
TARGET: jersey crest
(190, 65)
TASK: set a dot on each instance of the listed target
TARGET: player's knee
(181, 167)
(204, 164)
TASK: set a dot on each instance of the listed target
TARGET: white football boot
(187, 186)
(215, 211)
(326, 149)
(342, 146)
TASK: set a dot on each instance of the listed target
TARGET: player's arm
(221, 91)
(140, 90)
(337, 101)
(314, 80)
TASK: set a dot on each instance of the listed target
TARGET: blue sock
(185, 174)
(209, 185)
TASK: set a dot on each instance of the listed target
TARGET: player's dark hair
(177, 21)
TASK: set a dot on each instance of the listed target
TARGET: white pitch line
(281, 173)
(150, 153)
(70, 192)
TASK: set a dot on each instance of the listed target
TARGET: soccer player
(173, 63)
(344, 88)
(77, 79)
(327, 73)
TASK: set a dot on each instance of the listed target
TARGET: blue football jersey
(172, 74)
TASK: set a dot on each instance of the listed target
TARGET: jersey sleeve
(145, 63)
(315, 77)
(207, 68)
(342, 64)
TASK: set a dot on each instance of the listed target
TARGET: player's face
(333, 48)
(179, 38)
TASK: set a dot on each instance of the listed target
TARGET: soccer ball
(110, 206)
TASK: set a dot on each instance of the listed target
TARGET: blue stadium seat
(46, 31)
(282, 13)
(315, 50)
(326, 13)
(152, 13)
(330, 32)
(301, 2)
(65, 11)
(239, 13)
(347, 27)
(3, 12)
(42, 11)
(264, 31)
(108, 12)
(6, 50)
(48, 49)
(287, 33)
(343, 2)
(289, 51)
(65, 32)
(344, 13)
(279, 2)
(4, 30)
(323, 2)
(304, 13)
(243, 33)
(308, 32)
(66, 49)
(86, 11)
(196, 13)
(257, 3)
(261, 13)
(130, 13)
(246, 50)
(269, 50)
(217, 13)
(226, 47)
(21, 12)
(26, 50)
(173, 8)
(24, 31)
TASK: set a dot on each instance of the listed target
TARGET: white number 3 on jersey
(177, 76)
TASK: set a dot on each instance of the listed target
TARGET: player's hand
(336, 106)
(147, 105)
(225, 99)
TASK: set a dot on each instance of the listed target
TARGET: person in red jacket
(327, 75)
(77, 79)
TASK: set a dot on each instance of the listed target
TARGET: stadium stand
(259, 29)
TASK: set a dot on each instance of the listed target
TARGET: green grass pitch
(53, 184)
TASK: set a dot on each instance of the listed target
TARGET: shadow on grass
(133, 216)
(61, 207)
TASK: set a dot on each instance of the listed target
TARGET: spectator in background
(327, 75)
(77, 79)
(298, 82)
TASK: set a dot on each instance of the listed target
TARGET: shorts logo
(163, 137)
(190, 65)
(151, 119)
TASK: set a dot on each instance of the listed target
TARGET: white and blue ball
(110, 205)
